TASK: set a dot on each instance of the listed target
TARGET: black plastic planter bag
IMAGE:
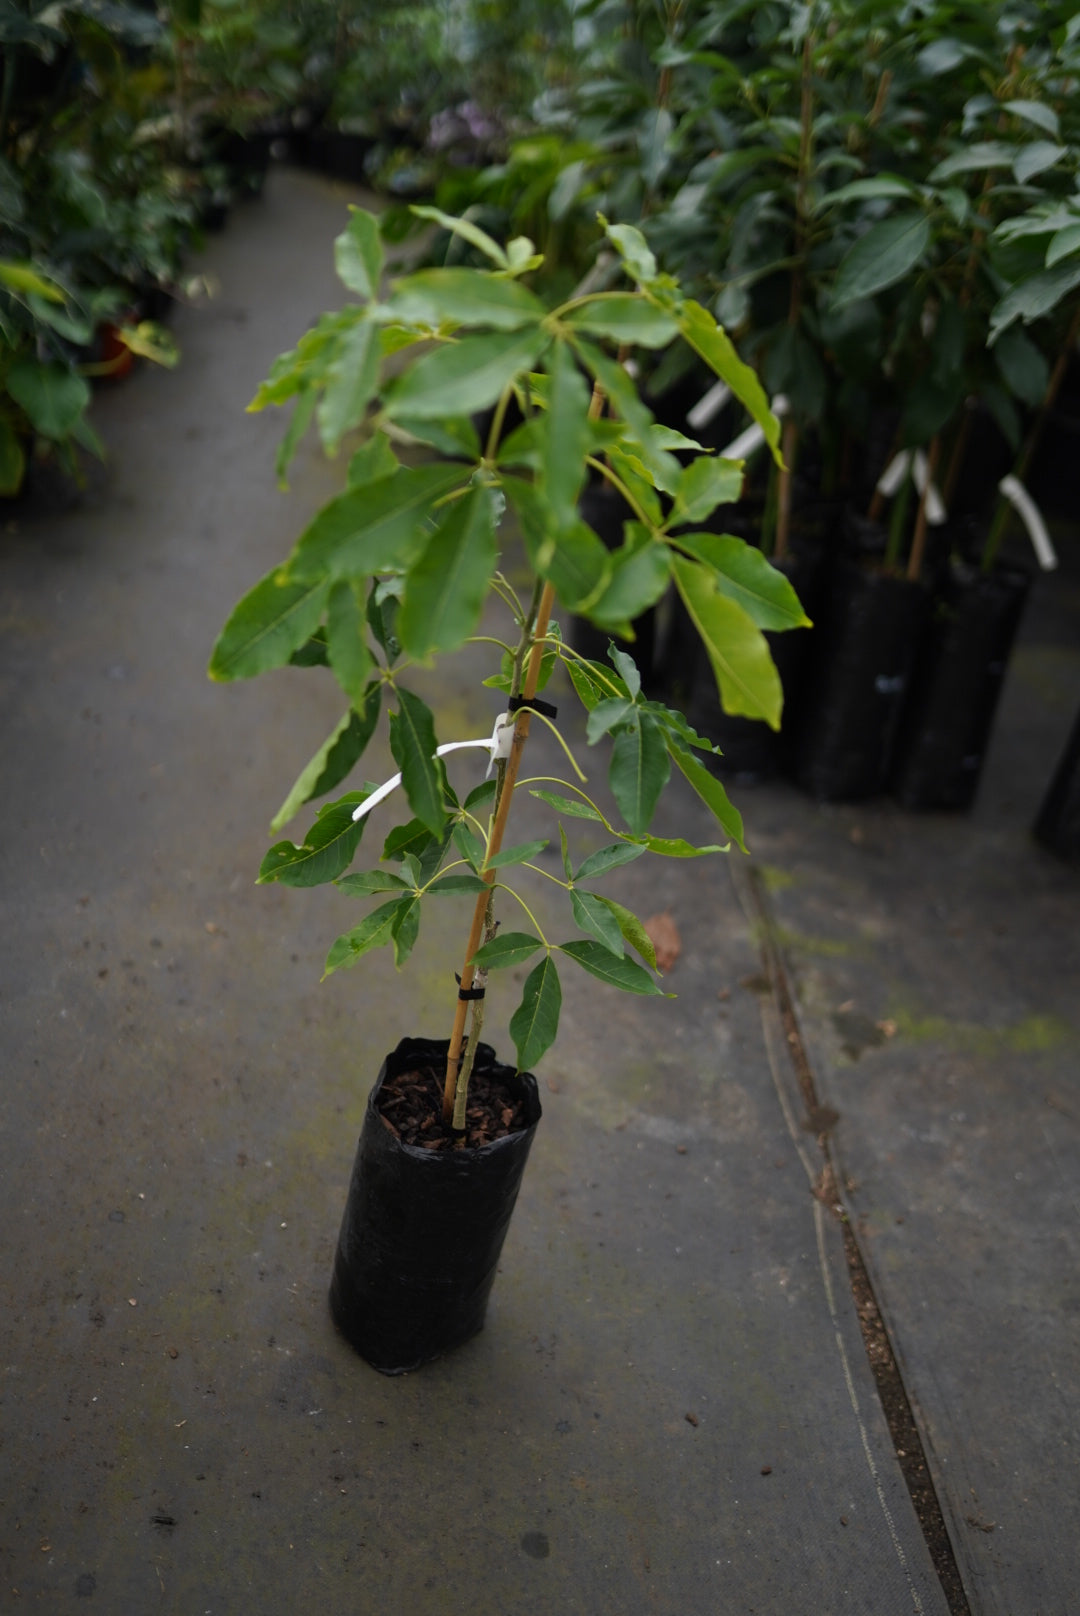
(868, 636)
(423, 1229)
(955, 688)
(1058, 824)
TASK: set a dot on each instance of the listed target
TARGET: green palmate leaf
(358, 254)
(460, 378)
(705, 484)
(327, 849)
(265, 628)
(748, 682)
(53, 396)
(350, 385)
(508, 949)
(633, 930)
(376, 528)
(633, 249)
(571, 558)
(744, 575)
(621, 973)
(298, 424)
(608, 858)
(568, 805)
(467, 231)
(888, 251)
(515, 855)
(563, 439)
(365, 882)
(604, 716)
(373, 931)
(433, 297)
(405, 928)
(640, 573)
(1031, 299)
(335, 758)
(346, 646)
(454, 885)
(594, 915)
(412, 741)
(12, 461)
(373, 461)
(1023, 368)
(624, 318)
(710, 791)
(714, 345)
(446, 589)
(639, 771)
(535, 1022)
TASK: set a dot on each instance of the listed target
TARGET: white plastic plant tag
(1031, 516)
(935, 509)
(498, 746)
(894, 473)
(743, 446)
(708, 405)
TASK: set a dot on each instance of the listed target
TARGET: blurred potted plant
(398, 570)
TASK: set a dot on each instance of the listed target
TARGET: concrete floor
(671, 1409)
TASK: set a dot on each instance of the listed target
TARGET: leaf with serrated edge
(405, 930)
(351, 384)
(466, 376)
(326, 851)
(346, 647)
(639, 771)
(633, 930)
(608, 858)
(365, 882)
(710, 791)
(568, 805)
(373, 931)
(535, 1022)
(412, 741)
(745, 576)
(509, 948)
(375, 528)
(264, 629)
(515, 855)
(358, 254)
(623, 973)
(450, 885)
(446, 589)
(335, 757)
(593, 916)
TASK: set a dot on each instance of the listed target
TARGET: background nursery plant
(396, 571)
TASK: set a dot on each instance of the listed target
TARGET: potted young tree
(396, 571)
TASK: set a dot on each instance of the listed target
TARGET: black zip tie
(468, 993)
(545, 708)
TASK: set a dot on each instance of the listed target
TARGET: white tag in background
(1031, 516)
(743, 446)
(708, 405)
(892, 478)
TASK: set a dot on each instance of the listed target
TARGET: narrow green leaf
(973, 159)
(677, 847)
(639, 771)
(884, 255)
(412, 741)
(507, 949)
(1037, 113)
(640, 573)
(452, 885)
(1064, 244)
(590, 689)
(564, 438)
(460, 378)
(373, 931)
(299, 422)
(515, 855)
(594, 916)
(375, 528)
(267, 626)
(20, 276)
(605, 715)
(335, 758)
(365, 882)
(661, 466)
(744, 575)
(712, 342)
(570, 557)
(877, 186)
(746, 676)
(373, 461)
(623, 973)
(706, 483)
(568, 805)
(1036, 158)
(633, 249)
(481, 794)
(625, 318)
(608, 858)
(1023, 368)
(53, 396)
(346, 646)
(405, 928)
(564, 847)
(358, 254)
(454, 436)
(711, 793)
(466, 230)
(463, 297)
(535, 1023)
(468, 845)
(412, 838)
(327, 849)
(350, 386)
(1031, 299)
(446, 589)
(627, 669)
(633, 930)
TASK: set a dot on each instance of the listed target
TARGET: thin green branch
(544, 719)
(502, 887)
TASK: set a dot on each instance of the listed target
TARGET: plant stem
(918, 543)
(534, 635)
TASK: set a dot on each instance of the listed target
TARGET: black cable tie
(468, 993)
(546, 709)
